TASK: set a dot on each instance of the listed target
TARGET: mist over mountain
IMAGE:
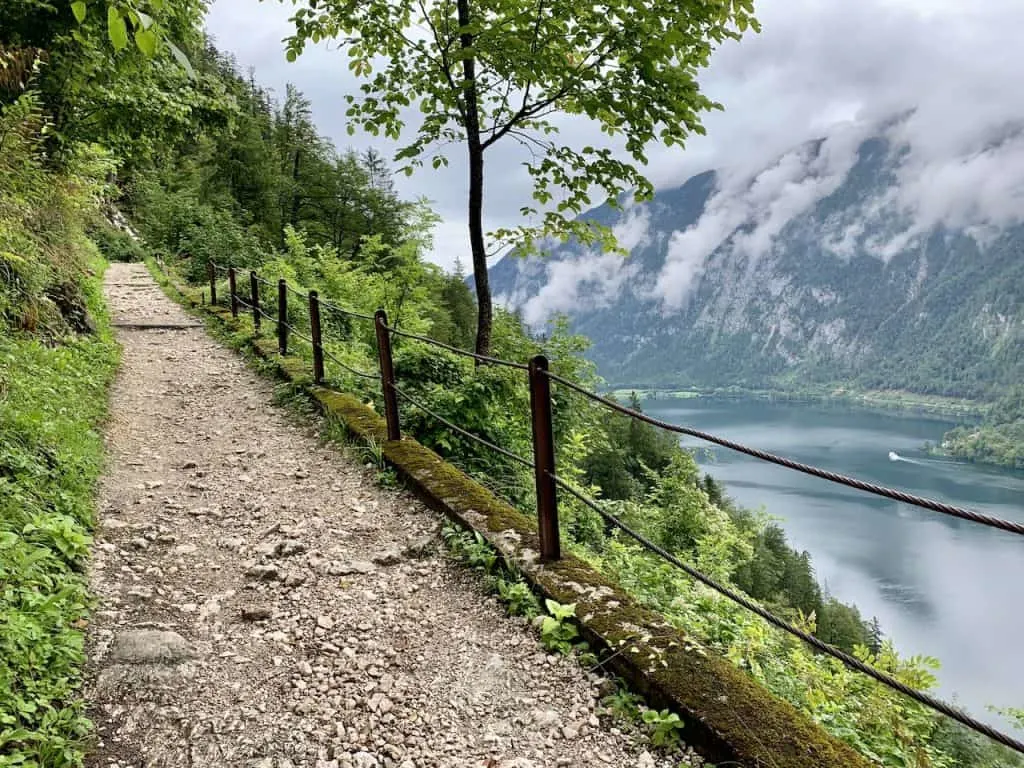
(882, 255)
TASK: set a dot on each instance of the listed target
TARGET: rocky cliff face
(855, 259)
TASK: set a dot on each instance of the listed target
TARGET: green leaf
(117, 30)
(182, 59)
(146, 40)
(79, 8)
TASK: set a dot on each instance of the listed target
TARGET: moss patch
(729, 717)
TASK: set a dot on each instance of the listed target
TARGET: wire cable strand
(296, 292)
(486, 443)
(264, 281)
(850, 661)
(834, 477)
(347, 367)
(347, 312)
(327, 353)
(293, 332)
(457, 351)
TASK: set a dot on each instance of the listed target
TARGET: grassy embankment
(52, 405)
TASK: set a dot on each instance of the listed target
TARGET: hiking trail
(263, 604)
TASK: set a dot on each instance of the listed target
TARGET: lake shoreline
(967, 412)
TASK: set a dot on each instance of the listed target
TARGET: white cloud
(593, 280)
(976, 191)
(634, 230)
(761, 205)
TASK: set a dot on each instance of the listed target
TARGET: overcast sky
(815, 65)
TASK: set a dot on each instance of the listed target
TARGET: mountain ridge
(814, 269)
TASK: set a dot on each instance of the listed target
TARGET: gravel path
(264, 605)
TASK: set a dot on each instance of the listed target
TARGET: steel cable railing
(263, 281)
(345, 312)
(465, 433)
(349, 368)
(464, 352)
(833, 477)
(264, 313)
(543, 466)
(296, 292)
(292, 331)
(850, 661)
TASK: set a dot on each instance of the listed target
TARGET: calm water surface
(939, 586)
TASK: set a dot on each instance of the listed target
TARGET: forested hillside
(100, 114)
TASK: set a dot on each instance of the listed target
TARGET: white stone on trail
(150, 646)
(275, 609)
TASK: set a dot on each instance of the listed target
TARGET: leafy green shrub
(665, 726)
(43, 253)
(471, 548)
(519, 598)
(558, 631)
(52, 401)
(116, 245)
(182, 227)
(623, 704)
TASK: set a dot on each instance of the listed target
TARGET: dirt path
(264, 605)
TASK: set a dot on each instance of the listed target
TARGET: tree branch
(445, 65)
(528, 111)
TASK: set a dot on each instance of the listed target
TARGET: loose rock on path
(264, 605)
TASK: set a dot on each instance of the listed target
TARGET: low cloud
(593, 280)
(948, 72)
(747, 213)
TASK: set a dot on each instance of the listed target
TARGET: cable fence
(277, 297)
(547, 482)
(464, 432)
(833, 477)
(852, 662)
(464, 353)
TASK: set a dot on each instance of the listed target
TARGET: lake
(939, 586)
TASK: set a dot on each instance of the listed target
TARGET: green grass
(53, 401)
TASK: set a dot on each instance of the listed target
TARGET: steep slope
(856, 259)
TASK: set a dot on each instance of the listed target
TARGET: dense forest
(209, 166)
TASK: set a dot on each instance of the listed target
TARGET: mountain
(862, 258)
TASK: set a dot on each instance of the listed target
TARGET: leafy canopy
(138, 20)
(628, 65)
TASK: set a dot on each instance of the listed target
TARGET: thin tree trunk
(476, 190)
(296, 196)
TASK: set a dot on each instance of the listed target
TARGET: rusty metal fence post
(254, 298)
(387, 374)
(282, 317)
(544, 460)
(233, 287)
(314, 328)
(211, 270)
